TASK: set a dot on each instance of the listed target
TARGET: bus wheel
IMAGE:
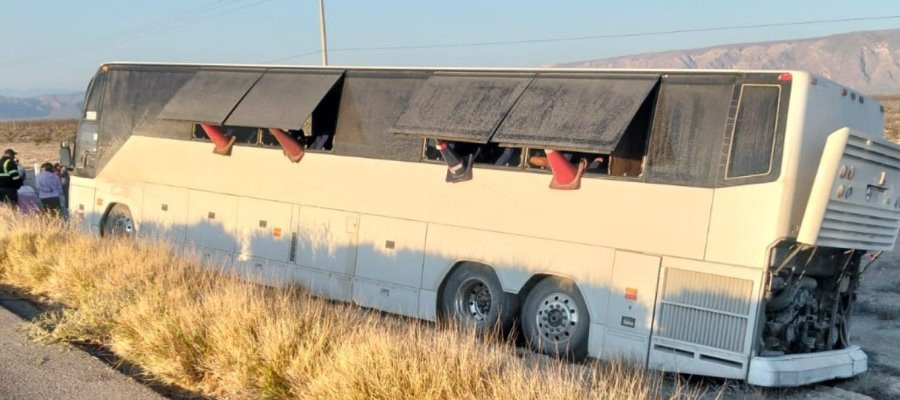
(118, 222)
(472, 296)
(555, 319)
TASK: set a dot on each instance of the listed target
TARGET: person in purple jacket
(49, 188)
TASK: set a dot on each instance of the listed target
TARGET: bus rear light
(785, 77)
(290, 147)
(276, 233)
(99, 202)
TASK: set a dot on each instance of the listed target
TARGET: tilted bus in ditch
(704, 222)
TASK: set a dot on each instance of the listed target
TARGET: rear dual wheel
(473, 297)
(555, 320)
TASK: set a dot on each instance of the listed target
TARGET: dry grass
(190, 326)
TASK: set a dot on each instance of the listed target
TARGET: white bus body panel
(164, 216)
(854, 202)
(802, 369)
(629, 315)
(81, 204)
(612, 213)
(705, 318)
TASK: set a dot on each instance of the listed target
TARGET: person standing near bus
(63, 174)
(10, 178)
(49, 188)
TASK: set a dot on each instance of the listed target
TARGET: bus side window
(484, 154)
(92, 105)
(597, 164)
(753, 138)
(244, 134)
(88, 135)
(318, 129)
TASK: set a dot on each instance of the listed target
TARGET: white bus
(698, 221)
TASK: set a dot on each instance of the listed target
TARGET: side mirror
(65, 154)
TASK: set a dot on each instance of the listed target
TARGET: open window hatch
(571, 124)
(296, 109)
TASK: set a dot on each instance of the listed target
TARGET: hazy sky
(60, 43)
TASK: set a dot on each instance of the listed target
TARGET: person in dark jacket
(10, 178)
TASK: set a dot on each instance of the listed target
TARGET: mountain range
(59, 106)
(866, 61)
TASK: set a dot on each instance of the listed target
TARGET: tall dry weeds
(191, 326)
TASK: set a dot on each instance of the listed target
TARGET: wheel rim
(557, 318)
(474, 300)
(121, 225)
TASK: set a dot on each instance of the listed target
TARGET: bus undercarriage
(809, 299)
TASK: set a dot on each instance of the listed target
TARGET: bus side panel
(164, 213)
(264, 240)
(390, 253)
(325, 250)
(211, 228)
(705, 318)
(81, 205)
(744, 221)
(629, 315)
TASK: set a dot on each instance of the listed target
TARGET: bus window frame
(777, 160)
(81, 157)
(730, 151)
(522, 159)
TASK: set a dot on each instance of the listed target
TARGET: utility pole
(322, 31)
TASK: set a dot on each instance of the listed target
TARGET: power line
(591, 37)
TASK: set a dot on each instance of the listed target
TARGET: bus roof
(489, 69)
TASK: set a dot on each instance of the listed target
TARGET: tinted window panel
(209, 96)
(754, 132)
(282, 99)
(688, 127)
(461, 107)
(587, 113)
(92, 107)
(244, 134)
(370, 104)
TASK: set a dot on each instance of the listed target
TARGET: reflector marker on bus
(631, 293)
(223, 143)
(292, 149)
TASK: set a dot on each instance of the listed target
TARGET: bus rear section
(853, 209)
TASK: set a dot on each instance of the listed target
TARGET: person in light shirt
(49, 188)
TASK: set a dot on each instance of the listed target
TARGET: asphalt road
(34, 371)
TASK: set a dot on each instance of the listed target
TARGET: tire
(473, 297)
(555, 320)
(118, 222)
